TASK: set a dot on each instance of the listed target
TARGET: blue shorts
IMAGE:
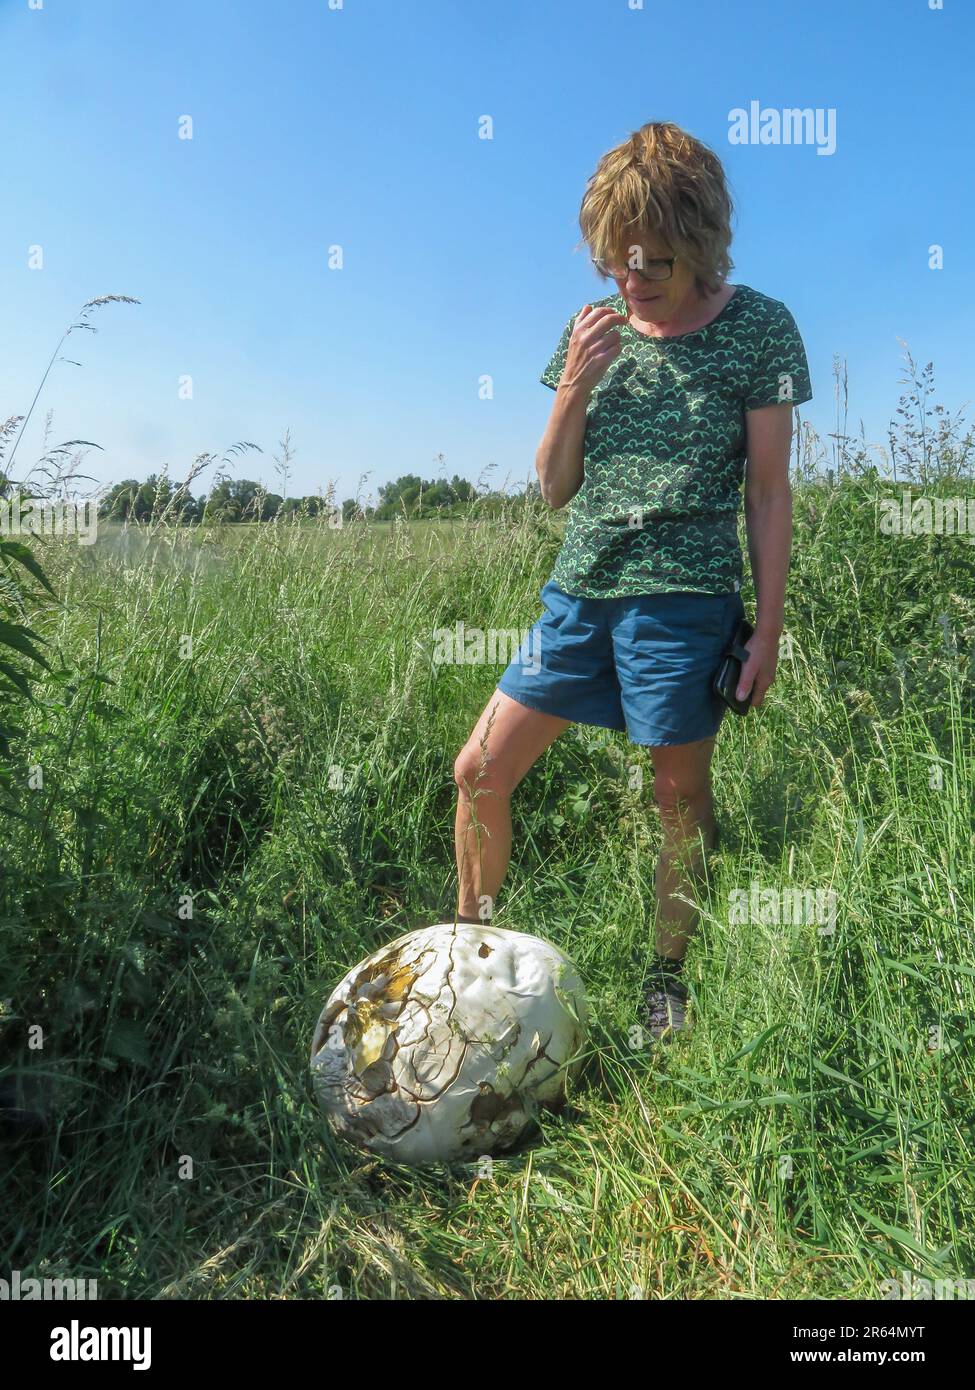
(641, 664)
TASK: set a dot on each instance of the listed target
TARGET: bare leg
(506, 740)
(682, 790)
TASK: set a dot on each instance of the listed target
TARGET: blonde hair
(663, 182)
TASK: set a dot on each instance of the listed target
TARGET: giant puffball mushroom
(444, 1044)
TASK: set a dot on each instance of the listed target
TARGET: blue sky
(358, 127)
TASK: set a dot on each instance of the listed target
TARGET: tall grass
(239, 781)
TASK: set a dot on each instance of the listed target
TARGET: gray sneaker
(664, 1010)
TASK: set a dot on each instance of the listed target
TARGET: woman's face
(654, 301)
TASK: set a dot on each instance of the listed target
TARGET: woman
(667, 392)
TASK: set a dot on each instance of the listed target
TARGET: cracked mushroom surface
(444, 1044)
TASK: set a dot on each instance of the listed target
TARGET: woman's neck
(699, 315)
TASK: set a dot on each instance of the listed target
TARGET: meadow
(237, 780)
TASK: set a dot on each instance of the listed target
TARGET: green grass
(811, 1136)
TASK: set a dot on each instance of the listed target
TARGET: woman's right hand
(594, 345)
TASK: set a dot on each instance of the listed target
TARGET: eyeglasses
(660, 268)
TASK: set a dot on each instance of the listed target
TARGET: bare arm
(593, 347)
(559, 459)
(768, 525)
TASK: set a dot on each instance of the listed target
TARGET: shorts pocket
(556, 605)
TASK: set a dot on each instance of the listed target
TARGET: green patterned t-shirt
(665, 450)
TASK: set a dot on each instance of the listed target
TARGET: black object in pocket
(725, 680)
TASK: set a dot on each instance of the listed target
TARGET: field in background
(291, 770)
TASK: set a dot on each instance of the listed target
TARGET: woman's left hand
(758, 672)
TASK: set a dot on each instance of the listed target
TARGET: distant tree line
(230, 500)
(242, 500)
